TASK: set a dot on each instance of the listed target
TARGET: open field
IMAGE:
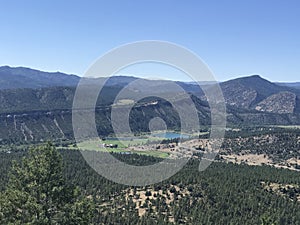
(122, 146)
(143, 144)
(124, 102)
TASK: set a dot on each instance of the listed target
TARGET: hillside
(21, 77)
(289, 84)
(249, 92)
(38, 113)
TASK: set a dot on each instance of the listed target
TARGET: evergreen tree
(37, 192)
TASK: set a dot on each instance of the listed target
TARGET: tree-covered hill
(222, 194)
(44, 111)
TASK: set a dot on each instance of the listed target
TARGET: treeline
(222, 194)
(277, 145)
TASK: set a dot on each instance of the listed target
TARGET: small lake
(170, 135)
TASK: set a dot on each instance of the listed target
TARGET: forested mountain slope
(39, 113)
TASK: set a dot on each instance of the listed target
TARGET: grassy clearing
(96, 145)
(124, 143)
(124, 102)
(153, 153)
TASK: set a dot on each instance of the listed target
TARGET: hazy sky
(234, 38)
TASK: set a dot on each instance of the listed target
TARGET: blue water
(170, 135)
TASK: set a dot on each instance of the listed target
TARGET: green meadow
(97, 145)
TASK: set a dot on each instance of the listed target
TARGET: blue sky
(235, 38)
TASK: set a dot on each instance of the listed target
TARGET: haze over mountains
(36, 104)
(21, 77)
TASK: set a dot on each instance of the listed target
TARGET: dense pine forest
(225, 193)
(149, 112)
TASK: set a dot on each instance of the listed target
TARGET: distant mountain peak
(20, 69)
(255, 77)
(23, 77)
(247, 92)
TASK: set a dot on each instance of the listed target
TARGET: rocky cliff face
(256, 93)
(57, 124)
(283, 102)
(38, 114)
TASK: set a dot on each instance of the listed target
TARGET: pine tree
(37, 192)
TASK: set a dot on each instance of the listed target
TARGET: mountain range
(36, 105)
